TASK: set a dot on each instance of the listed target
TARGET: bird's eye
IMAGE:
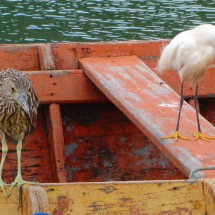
(13, 90)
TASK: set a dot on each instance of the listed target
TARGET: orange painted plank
(56, 137)
(63, 86)
(67, 56)
(19, 57)
(206, 86)
(72, 86)
(153, 107)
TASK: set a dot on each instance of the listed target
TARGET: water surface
(99, 20)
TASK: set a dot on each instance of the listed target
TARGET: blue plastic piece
(41, 214)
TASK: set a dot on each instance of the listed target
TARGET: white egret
(190, 53)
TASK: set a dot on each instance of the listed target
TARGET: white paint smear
(174, 104)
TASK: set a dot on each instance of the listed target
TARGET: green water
(96, 20)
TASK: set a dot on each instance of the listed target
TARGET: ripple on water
(95, 20)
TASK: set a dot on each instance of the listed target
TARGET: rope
(192, 172)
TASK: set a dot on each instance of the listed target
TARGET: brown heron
(18, 117)
(190, 53)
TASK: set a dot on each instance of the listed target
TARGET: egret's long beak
(23, 99)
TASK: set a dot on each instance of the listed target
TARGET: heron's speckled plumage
(13, 117)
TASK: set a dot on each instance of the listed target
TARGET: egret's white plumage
(190, 53)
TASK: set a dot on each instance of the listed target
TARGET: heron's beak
(23, 99)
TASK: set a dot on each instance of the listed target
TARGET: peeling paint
(173, 104)
(124, 199)
(164, 162)
(69, 128)
(62, 206)
(107, 189)
(71, 148)
(123, 139)
(99, 206)
(71, 171)
(145, 152)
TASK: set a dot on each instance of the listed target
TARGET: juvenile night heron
(190, 53)
(18, 116)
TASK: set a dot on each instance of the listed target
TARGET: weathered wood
(109, 158)
(56, 139)
(102, 144)
(54, 120)
(153, 107)
(35, 200)
(68, 55)
(72, 86)
(9, 205)
(149, 198)
(64, 87)
(152, 197)
(206, 85)
(209, 192)
(19, 57)
(46, 57)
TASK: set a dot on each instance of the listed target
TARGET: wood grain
(131, 198)
(153, 108)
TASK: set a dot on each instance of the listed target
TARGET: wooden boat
(97, 146)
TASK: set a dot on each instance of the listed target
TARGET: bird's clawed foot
(19, 181)
(199, 135)
(2, 184)
(176, 136)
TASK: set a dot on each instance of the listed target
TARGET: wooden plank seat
(64, 86)
(126, 198)
(109, 198)
(72, 86)
(153, 107)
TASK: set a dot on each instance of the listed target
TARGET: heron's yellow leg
(176, 136)
(199, 135)
(4, 154)
(18, 180)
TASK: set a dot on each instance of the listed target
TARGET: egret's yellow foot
(19, 181)
(199, 135)
(2, 184)
(176, 136)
